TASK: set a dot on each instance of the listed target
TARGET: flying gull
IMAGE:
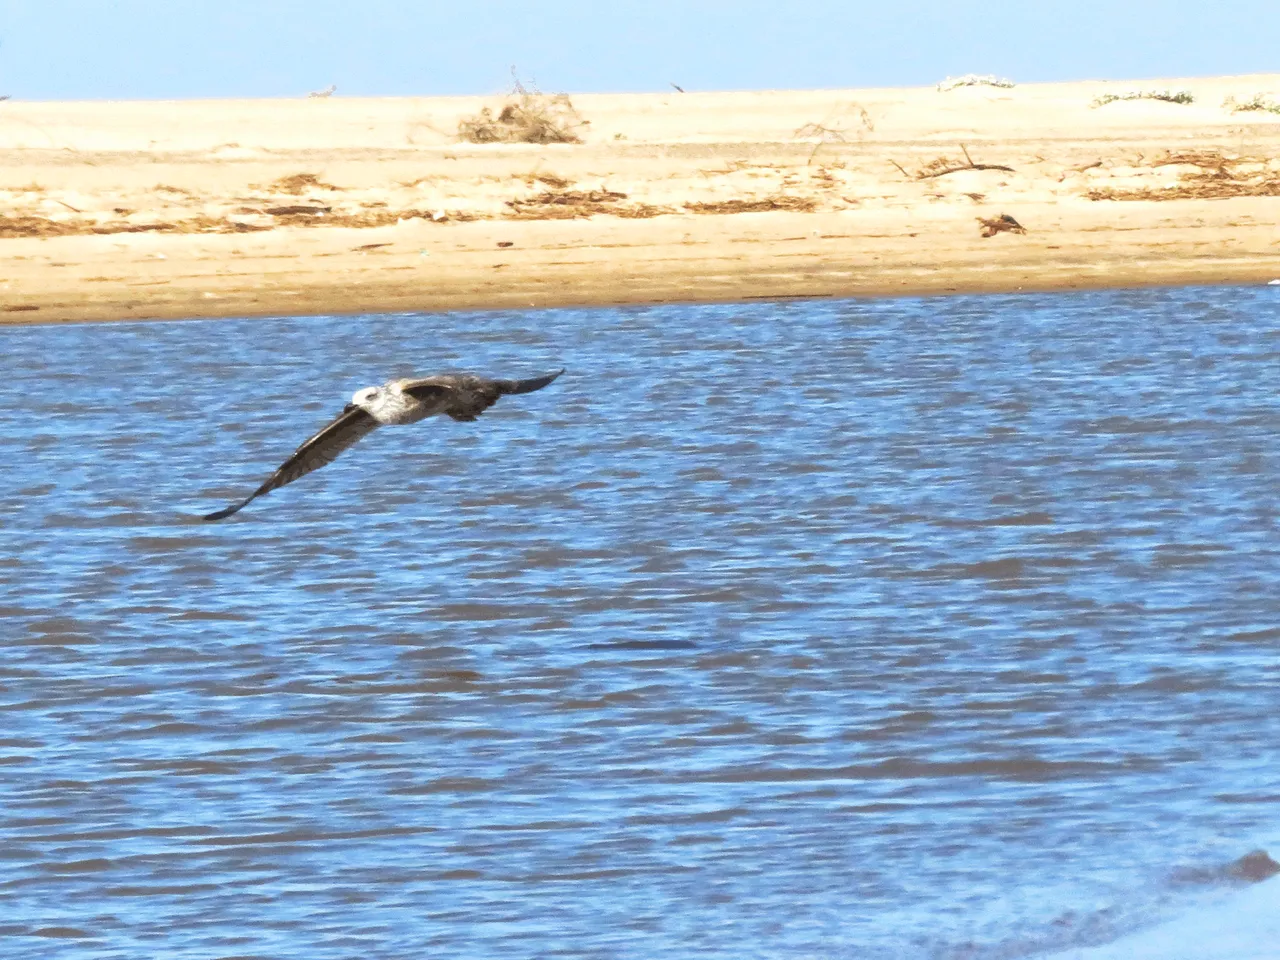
(462, 396)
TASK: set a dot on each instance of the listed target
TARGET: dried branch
(940, 168)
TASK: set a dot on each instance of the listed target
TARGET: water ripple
(893, 629)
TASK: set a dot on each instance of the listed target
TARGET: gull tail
(528, 386)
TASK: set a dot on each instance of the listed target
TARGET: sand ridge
(327, 205)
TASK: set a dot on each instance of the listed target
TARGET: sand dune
(217, 208)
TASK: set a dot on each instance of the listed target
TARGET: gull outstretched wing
(467, 395)
(345, 429)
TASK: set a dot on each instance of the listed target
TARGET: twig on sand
(321, 94)
(818, 130)
(942, 166)
(825, 133)
(938, 168)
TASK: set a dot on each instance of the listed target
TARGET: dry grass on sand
(528, 116)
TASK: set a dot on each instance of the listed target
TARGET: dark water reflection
(864, 629)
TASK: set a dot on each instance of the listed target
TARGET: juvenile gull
(462, 396)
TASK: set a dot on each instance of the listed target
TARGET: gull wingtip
(225, 512)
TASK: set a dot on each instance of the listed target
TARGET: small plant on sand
(528, 116)
(1168, 96)
(1259, 101)
(973, 80)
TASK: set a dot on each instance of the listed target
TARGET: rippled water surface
(900, 628)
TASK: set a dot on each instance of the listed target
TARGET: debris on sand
(300, 182)
(565, 204)
(1215, 176)
(764, 205)
(575, 204)
(1001, 224)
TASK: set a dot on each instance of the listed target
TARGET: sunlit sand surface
(218, 208)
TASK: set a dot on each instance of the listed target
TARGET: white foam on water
(1242, 925)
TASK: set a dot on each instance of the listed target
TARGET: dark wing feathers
(428, 390)
(527, 386)
(465, 396)
(348, 427)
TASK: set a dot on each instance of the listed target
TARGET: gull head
(367, 398)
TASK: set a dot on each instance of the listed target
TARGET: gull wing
(428, 389)
(317, 451)
(467, 395)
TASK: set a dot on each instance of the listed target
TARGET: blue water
(907, 628)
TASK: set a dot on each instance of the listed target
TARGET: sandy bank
(229, 208)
